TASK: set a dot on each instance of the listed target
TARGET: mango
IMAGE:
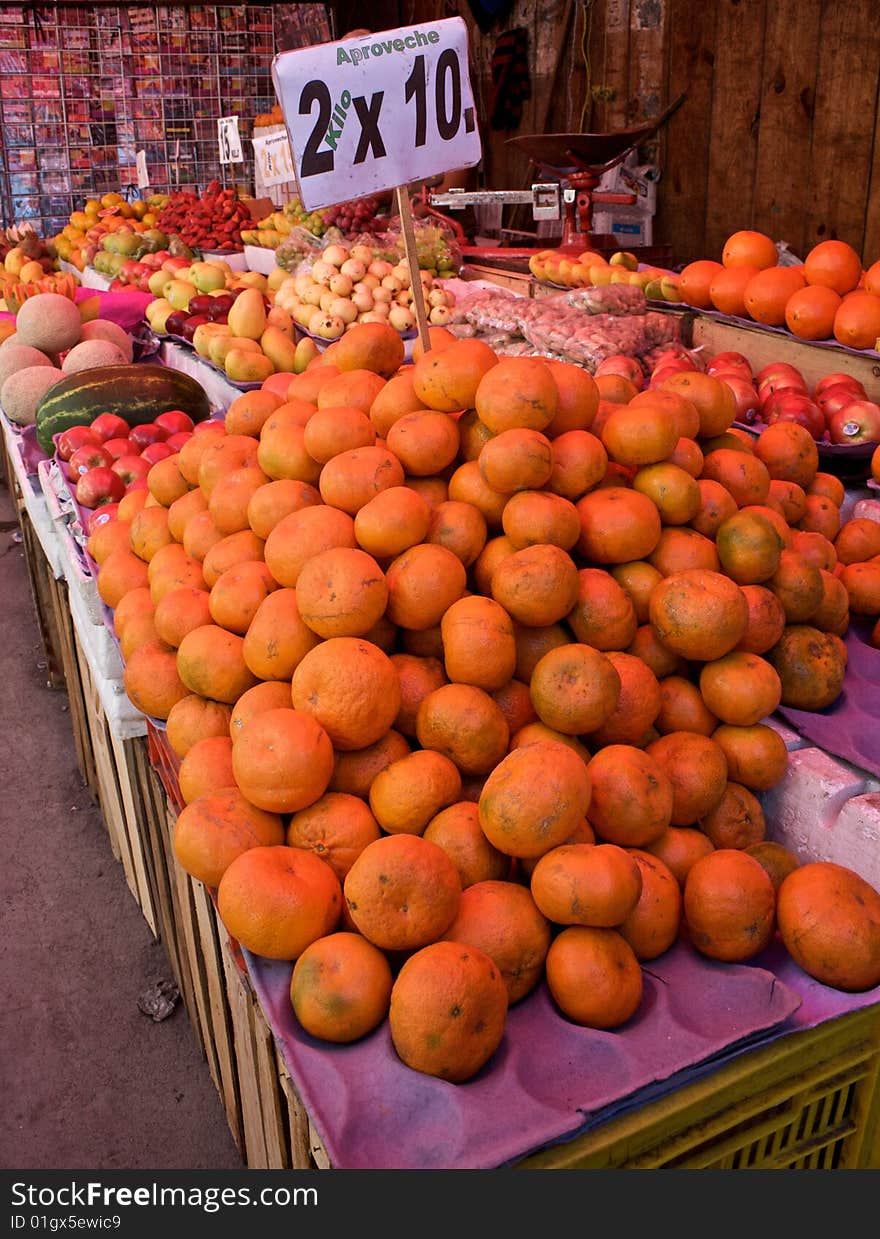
(275, 279)
(280, 318)
(15, 260)
(248, 314)
(219, 346)
(305, 352)
(279, 348)
(250, 279)
(203, 335)
(244, 366)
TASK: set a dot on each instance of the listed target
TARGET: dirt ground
(88, 1081)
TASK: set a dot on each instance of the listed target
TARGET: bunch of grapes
(355, 216)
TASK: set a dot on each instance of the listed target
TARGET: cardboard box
(629, 225)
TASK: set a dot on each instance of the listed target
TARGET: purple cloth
(850, 728)
(549, 1079)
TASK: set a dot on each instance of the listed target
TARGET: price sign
(143, 176)
(228, 140)
(378, 111)
(273, 159)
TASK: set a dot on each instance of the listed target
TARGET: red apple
(139, 483)
(76, 437)
(774, 368)
(192, 322)
(150, 432)
(624, 365)
(792, 406)
(838, 380)
(176, 442)
(200, 303)
(106, 512)
(89, 456)
(131, 467)
(155, 452)
(219, 309)
(174, 421)
(99, 486)
(727, 361)
(744, 395)
(109, 425)
(119, 447)
(859, 422)
(781, 381)
(175, 321)
(666, 371)
(835, 398)
(209, 424)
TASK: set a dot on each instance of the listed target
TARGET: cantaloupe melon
(91, 353)
(12, 338)
(18, 357)
(49, 322)
(22, 391)
(103, 329)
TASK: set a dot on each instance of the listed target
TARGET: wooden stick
(409, 239)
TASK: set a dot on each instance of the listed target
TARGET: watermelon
(139, 393)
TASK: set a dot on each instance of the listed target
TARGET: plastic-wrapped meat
(614, 299)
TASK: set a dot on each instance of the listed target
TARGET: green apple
(157, 281)
(207, 277)
(179, 293)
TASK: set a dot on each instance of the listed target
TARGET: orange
(787, 498)
(829, 485)
(729, 905)
(340, 988)
(679, 847)
(821, 515)
(579, 463)
(151, 679)
(594, 976)
(392, 522)
(756, 754)
(532, 516)
(478, 643)
(516, 460)
(744, 475)
(247, 412)
(302, 534)
(517, 392)
(269, 504)
(350, 480)
(277, 639)
(266, 695)
(797, 584)
(766, 620)
(740, 688)
(748, 548)
(182, 510)
(534, 799)
(632, 796)
(682, 708)
(114, 536)
(354, 771)
(447, 379)
(277, 900)
(402, 892)
(467, 485)
(653, 924)
(211, 831)
(767, 293)
(637, 705)
(695, 280)
(464, 724)
(637, 579)
(460, 528)
(639, 435)
(858, 540)
(577, 398)
(618, 525)
(751, 248)
(834, 265)
(537, 586)
(457, 831)
(210, 661)
(674, 492)
(809, 312)
(603, 615)
(350, 687)
(716, 505)
(532, 732)
(789, 452)
(736, 821)
(533, 643)
(424, 442)
(395, 399)
(574, 689)
(235, 548)
(776, 859)
(336, 828)
(680, 548)
(120, 573)
(448, 1009)
(408, 793)
(857, 321)
(699, 614)
(341, 593)
(357, 387)
(515, 703)
(336, 429)
(696, 767)
(207, 767)
(862, 583)
(282, 760)
(194, 718)
(230, 499)
(238, 593)
(422, 583)
(727, 289)
(221, 457)
(829, 921)
(586, 884)
(503, 920)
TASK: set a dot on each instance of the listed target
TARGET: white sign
(273, 159)
(229, 140)
(143, 176)
(377, 111)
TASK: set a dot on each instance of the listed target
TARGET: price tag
(378, 111)
(143, 176)
(273, 159)
(228, 140)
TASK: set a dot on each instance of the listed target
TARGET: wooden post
(409, 239)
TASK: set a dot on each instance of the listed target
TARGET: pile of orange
(827, 296)
(468, 669)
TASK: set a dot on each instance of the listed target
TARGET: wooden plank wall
(780, 130)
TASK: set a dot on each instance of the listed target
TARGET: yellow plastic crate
(809, 1101)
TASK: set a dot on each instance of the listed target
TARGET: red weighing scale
(572, 164)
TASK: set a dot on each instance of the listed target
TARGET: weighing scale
(572, 164)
